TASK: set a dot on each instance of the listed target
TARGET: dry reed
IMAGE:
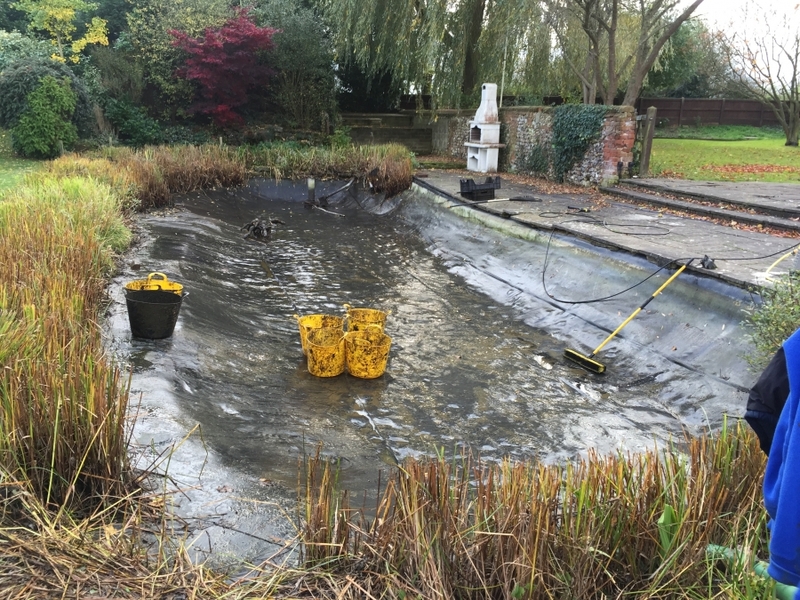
(599, 527)
(384, 169)
(147, 177)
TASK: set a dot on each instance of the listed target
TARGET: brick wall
(527, 130)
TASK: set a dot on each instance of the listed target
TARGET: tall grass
(601, 527)
(62, 406)
(148, 177)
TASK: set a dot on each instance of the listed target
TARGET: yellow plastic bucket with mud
(155, 282)
(367, 351)
(311, 322)
(325, 351)
(359, 319)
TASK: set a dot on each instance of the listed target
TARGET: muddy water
(476, 359)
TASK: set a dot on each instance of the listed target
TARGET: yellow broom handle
(638, 310)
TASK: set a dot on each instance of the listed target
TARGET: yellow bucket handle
(155, 280)
(386, 312)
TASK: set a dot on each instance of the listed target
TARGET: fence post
(680, 114)
(721, 111)
(647, 142)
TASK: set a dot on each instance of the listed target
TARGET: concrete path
(744, 255)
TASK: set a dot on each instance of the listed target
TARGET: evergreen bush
(24, 76)
(15, 46)
(132, 123)
(304, 86)
(44, 129)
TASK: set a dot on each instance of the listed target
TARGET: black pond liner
(152, 314)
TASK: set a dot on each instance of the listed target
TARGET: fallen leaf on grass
(752, 169)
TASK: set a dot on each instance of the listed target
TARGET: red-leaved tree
(225, 63)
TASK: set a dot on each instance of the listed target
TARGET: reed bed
(601, 527)
(384, 169)
(62, 407)
(147, 177)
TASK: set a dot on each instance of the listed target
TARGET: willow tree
(443, 47)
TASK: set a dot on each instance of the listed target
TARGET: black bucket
(152, 314)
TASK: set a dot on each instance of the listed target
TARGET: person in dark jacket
(773, 410)
(766, 400)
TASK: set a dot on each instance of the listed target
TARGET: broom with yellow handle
(588, 362)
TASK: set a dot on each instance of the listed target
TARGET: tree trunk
(789, 118)
(646, 56)
(589, 81)
(471, 59)
(613, 75)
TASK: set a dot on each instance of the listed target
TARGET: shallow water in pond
(476, 357)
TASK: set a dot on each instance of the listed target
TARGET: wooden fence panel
(709, 111)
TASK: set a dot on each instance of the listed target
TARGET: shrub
(304, 85)
(44, 129)
(225, 64)
(340, 138)
(774, 319)
(15, 46)
(121, 76)
(132, 123)
(180, 134)
(24, 76)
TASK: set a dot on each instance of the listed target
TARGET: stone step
(740, 216)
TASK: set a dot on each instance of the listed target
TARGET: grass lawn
(720, 132)
(12, 168)
(715, 160)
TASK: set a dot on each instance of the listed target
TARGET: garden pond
(479, 323)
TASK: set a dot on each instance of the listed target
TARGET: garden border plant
(774, 317)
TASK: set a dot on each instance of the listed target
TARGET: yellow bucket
(155, 282)
(366, 352)
(309, 322)
(359, 319)
(326, 354)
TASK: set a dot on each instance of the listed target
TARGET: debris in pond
(322, 202)
(260, 229)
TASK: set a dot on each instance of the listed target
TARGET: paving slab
(742, 214)
(779, 199)
(743, 258)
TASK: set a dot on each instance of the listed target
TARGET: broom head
(584, 361)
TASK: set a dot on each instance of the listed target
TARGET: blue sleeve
(782, 479)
